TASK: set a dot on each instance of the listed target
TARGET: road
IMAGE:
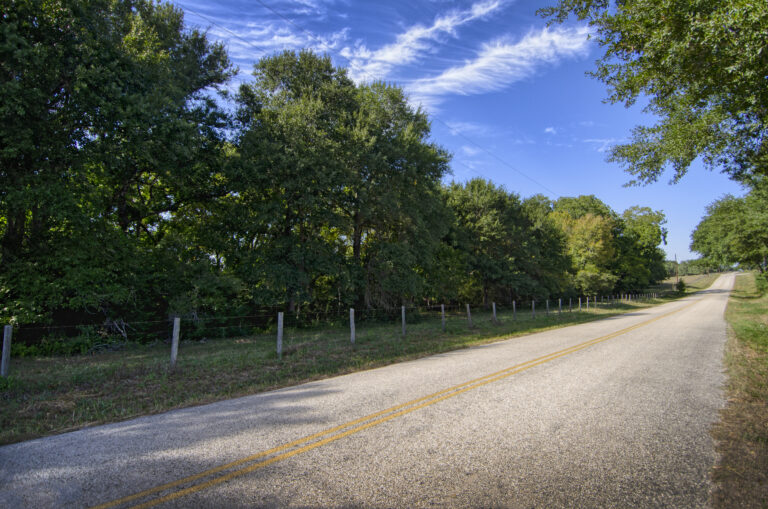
(613, 413)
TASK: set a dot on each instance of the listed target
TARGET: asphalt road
(614, 413)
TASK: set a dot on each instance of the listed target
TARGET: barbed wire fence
(281, 326)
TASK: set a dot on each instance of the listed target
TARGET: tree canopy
(735, 230)
(130, 194)
(702, 65)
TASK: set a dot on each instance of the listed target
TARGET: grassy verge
(741, 476)
(50, 395)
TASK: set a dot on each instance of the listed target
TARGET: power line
(365, 72)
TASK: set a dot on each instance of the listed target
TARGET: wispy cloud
(501, 63)
(602, 144)
(456, 128)
(470, 151)
(550, 130)
(412, 44)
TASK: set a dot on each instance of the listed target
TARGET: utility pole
(677, 270)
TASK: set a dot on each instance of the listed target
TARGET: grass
(741, 475)
(49, 395)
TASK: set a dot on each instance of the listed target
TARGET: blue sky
(508, 96)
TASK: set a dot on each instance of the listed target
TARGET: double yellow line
(316, 440)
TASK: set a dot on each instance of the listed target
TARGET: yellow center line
(419, 403)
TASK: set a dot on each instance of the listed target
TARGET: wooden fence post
(494, 312)
(402, 312)
(469, 317)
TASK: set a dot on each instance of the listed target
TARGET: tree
(579, 206)
(395, 215)
(491, 230)
(336, 186)
(640, 262)
(701, 64)
(284, 219)
(735, 230)
(592, 248)
(106, 129)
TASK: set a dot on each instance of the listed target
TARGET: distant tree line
(131, 191)
(693, 267)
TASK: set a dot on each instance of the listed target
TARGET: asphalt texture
(620, 422)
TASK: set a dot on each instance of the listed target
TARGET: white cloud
(550, 130)
(247, 43)
(410, 45)
(603, 144)
(470, 151)
(458, 128)
(501, 63)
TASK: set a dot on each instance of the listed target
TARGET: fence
(203, 328)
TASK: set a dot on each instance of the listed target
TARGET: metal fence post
(402, 312)
(442, 315)
(6, 360)
(494, 312)
(352, 325)
(547, 307)
(280, 335)
(514, 310)
(175, 341)
(533, 309)
(560, 306)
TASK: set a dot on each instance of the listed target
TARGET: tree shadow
(101, 463)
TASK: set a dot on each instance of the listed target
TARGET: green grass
(49, 395)
(741, 475)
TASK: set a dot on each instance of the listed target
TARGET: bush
(680, 286)
(761, 281)
(89, 340)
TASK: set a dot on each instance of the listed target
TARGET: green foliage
(128, 194)
(88, 340)
(107, 132)
(680, 286)
(701, 64)
(761, 282)
(735, 230)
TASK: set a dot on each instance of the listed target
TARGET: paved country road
(614, 413)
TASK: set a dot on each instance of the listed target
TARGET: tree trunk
(13, 240)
